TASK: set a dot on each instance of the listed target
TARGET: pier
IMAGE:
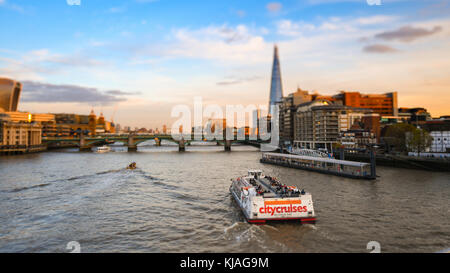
(344, 168)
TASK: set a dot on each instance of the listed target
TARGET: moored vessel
(344, 168)
(263, 198)
(103, 149)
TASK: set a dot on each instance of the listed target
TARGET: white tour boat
(103, 149)
(264, 198)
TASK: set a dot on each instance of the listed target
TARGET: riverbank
(21, 149)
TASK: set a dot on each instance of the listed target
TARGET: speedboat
(263, 198)
(132, 166)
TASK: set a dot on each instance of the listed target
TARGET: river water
(179, 202)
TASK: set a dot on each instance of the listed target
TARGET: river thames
(180, 202)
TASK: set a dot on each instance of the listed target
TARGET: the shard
(276, 88)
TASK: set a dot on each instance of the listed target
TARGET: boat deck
(271, 188)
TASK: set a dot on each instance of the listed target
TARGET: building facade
(20, 134)
(319, 124)
(288, 108)
(441, 142)
(416, 116)
(19, 137)
(357, 139)
(382, 104)
(439, 129)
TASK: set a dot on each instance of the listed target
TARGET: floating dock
(344, 168)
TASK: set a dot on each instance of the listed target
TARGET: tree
(419, 140)
(395, 136)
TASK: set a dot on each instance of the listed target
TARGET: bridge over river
(85, 143)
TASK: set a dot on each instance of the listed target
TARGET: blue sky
(141, 57)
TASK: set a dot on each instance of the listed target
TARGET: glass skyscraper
(276, 88)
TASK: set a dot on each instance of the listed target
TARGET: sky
(135, 60)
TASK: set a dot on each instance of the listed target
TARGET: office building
(276, 86)
(9, 94)
(318, 124)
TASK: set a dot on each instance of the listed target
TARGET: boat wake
(29, 187)
(88, 176)
(232, 226)
(256, 238)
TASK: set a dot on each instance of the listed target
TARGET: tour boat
(103, 149)
(263, 198)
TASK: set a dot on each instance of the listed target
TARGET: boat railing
(324, 164)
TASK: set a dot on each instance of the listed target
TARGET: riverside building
(19, 137)
(319, 124)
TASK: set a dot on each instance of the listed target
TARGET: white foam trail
(269, 226)
(230, 227)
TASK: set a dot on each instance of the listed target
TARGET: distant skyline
(141, 57)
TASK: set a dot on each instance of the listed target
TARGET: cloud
(12, 6)
(436, 9)
(234, 80)
(146, 1)
(345, 24)
(319, 2)
(293, 29)
(230, 44)
(378, 48)
(407, 33)
(51, 93)
(274, 7)
(241, 13)
(122, 93)
(30, 65)
(116, 10)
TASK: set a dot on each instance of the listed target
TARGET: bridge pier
(83, 146)
(227, 145)
(157, 142)
(132, 147)
(181, 145)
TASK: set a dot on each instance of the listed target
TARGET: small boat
(264, 198)
(103, 149)
(132, 166)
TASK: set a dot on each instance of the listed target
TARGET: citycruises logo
(288, 207)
